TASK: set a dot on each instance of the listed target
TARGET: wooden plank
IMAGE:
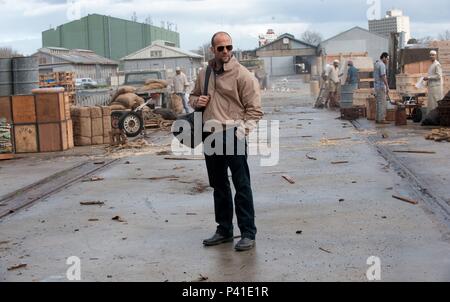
(50, 107)
(24, 110)
(6, 156)
(70, 142)
(5, 108)
(26, 140)
(405, 199)
(53, 137)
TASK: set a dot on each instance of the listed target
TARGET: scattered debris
(414, 151)
(183, 158)
(94, 178)
(339, 162)
(171, 177)
(15, 267)
(310, 157)
(179, 168)
(118, 218)
(299, 232)
(199, 188)
(405, 199)
(385, 135)
(99, 162)
(289, 179)
(127, 162)
(92, 203)
(93, 219)
(201, 278)
(191, 214)
(339, 138)
(164, 153)
(324, 250)
(4, 242)
(439, 135)
(341, 200)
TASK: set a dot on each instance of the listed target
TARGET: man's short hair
(384, 55)
(216, 34)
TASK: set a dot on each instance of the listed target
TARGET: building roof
(77, 56)
(352, 29)
(286, 35)
(158, 45)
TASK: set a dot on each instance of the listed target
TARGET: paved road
(345, 213)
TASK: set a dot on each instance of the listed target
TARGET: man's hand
(202, 101)
(425, 79)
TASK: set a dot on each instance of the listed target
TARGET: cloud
(197, 20)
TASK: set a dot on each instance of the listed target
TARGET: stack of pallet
(444, 58)
(360, 96)
(59, 79)
(40, 122)
(92, 125)
(406, 84)
(6, 146)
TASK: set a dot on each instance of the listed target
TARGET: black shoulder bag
(188, 129)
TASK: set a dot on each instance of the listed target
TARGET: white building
(356, 40)
(393, 22)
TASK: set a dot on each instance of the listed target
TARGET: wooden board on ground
(6, 156)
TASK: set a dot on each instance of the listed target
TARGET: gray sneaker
(245, 244)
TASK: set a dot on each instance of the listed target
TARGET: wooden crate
(390, 115)
(26, 138)
(70, 142)
(5, 108)
(24, 109)
(406, 84)
(418, 67)
(50, 107)
(360, 96)
(53, 137)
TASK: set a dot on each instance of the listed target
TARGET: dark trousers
(217, 166)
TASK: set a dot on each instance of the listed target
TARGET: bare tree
(8, 52)
(445, 36)
(312, 37)
(204, 50)
(425, 40)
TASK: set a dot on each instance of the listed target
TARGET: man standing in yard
(352, 75)
(434, 79)
(233, 96)
(332, 76)
(381, 87)
(180, 85)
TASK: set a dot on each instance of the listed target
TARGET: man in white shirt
(180, 85)
(434, 79)
(332, 76)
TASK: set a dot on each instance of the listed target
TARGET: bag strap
(206, 86)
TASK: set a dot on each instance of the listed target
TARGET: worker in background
(332, 76)
(381, 87)
(180, 86)
(434, 79)
(352, 74)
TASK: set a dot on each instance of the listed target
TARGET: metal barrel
(6, 77)
(25, 74)
(347, 95)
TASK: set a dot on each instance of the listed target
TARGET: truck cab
(137, 79)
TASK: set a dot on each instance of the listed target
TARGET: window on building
(156, 53)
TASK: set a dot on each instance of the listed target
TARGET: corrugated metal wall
(107, 36)
(189, 67)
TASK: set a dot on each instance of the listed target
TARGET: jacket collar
(227, 66)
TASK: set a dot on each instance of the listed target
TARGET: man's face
(385, 60)
(433, 57)
(336, 64)
(178, 72)
(221, 48)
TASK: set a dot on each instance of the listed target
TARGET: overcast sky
(23, 21)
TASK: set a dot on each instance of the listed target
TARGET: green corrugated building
(107, 36)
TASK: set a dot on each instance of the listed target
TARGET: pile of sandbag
(176, 103)
(5, 137)
(125, 98)
(91, 125)
(154, 85)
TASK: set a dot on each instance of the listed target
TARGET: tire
(417, 115)
(132, 124)
(116, 116)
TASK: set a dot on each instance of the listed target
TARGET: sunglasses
(222, 48)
